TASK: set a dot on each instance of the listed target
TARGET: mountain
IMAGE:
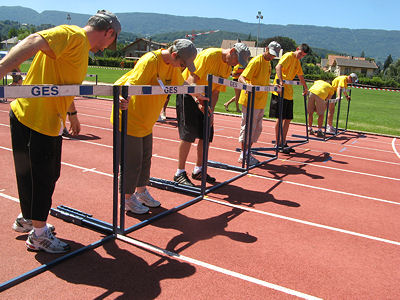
(375, 43)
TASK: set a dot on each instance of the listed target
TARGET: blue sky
(356, 14)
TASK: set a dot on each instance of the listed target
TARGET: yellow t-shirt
(257, 72)
(290, 68)
(237, 71)
(340, 81)
(209, 61)
(322, 89)
(71, 48)
(143, 111)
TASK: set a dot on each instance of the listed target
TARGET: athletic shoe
(330, 129)
(289, 149)
(183, 179)
(3, 100)
(311, 131)
(320, 133)
(25, 225)
(146, 199)
(252, 160)
(209, 179)
(163, 116)
(134, 205)
(46, 242)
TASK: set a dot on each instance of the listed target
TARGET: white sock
(241, 154)
(197, 169)
(179, 172)
(40, 231)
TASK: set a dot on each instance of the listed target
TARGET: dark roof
(147, 41)
(356, 63)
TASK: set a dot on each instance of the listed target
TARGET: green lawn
(370, 110)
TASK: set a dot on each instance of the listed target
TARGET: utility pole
(68, 19)
(259, 17)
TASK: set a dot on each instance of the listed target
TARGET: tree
(388, 62)
(362, 54)
(12, 32)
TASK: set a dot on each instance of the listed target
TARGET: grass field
(370, 110)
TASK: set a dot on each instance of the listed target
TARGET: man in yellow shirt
(143, 111)
(218, 62)
(318, 93)
(61, 57)
(288, 67)
(257, 72)
(338, 83)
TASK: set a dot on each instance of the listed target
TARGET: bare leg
(184, 148)
(331, 113)
(199, 161)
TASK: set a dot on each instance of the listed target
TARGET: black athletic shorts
(190, 119)
(287, 108)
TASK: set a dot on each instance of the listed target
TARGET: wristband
(72, 113)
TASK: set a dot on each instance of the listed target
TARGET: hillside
(375, 43)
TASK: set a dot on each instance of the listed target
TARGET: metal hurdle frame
(252, 90)
(279, 142)
(338, 131)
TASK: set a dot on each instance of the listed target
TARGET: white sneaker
(252, 160)
(134, 205)
(146, 199)
(25, 225)
(163, 116)
(46, 242)
(330, 129)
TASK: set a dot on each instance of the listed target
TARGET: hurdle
(327, 136)
(251, 90)
(279, 142)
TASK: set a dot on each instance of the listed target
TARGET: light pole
(68, 19)
(259, 17)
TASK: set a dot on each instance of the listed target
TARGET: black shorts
(190, 119)
(287, 113)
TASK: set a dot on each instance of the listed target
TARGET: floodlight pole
(259, 17)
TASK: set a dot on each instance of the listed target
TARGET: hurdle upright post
(306, 113)
(251, 108)
(116, 155)
(246, 145)
(280, 121)
(124, 121)
(348, 110)
(338, 114)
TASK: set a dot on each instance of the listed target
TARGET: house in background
(344, 65)
(141, 46)
(8, 44)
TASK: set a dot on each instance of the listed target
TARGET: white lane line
(394, 148)
(214, 268)
(9, 197)
(305, 222)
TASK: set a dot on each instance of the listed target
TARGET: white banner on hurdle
(17, 73)
(246, 87)
(158, 90)
(34, 91)
(291, 82)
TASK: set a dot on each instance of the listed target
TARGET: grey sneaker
(134, 205)
(146, 199)
(252, 160)
(25, 225)
(46, 242)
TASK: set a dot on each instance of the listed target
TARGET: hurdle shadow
(123, 272)
(197, 230)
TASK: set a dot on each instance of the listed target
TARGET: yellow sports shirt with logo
(143, 111)
(290, 68)
(209, 61)
(257, 72)
(70, 46)
(340, 81)
(322, 89)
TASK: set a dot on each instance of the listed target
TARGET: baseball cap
(354, 77)
(243, 53)
(112, 19)
(274, 48)
(186, 51)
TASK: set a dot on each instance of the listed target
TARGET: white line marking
(9, 197)
(214, 268)
(305, 222)
(394, 148)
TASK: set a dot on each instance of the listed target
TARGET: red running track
(322, 222)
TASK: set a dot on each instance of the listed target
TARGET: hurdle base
(220, 165)
(80, 218)
(172, 186)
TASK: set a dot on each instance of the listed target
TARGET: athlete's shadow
(82, 137)
(119, 271)
(196, 230)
